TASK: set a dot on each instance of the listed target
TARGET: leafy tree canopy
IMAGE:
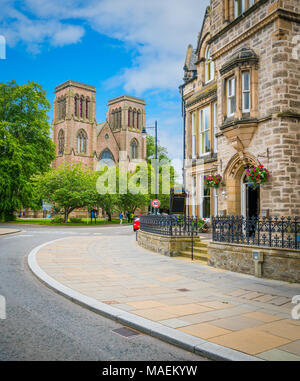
(26, 148)
(68, 187)
(162, 152)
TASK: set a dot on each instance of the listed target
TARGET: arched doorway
(249, 199)
(240, 199)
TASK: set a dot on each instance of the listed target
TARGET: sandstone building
(241, 98)
(79, 138)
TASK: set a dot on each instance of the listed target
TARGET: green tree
(164, 167)
(162, 153)
(26, 148)
(68, 187)
(130, 197)
(108, 201)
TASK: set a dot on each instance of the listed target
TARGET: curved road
(42, 325)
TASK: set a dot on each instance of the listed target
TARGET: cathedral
(79, 138)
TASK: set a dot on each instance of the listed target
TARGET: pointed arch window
(106, 158)
(61, 142)
(82, 141)
(138, 119)
(134, 118)
(64, 106)
(117, 118)
(76, 105)
(87, 108)
(129, 117)
(106, 155)
(81, 107)
(59, 109)
(209, 66)
(134, 149)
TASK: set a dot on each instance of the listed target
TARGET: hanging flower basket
(257, 176)
(212, 181)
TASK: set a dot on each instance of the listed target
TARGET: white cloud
(19, 27)
(158, 30)
(68, 34)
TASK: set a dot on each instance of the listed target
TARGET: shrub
(75, 220)
(57, 220)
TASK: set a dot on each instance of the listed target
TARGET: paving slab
(222, 314)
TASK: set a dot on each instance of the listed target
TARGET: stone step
(188, 254)
(200, 250)
(200, 244)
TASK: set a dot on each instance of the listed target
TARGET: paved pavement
(4, 231)
(41, 325)
(219, 308)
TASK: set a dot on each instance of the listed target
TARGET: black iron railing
(281, 232)
(171, 225)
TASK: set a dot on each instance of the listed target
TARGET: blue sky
(134, 47)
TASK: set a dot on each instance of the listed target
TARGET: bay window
(231, 96)
(246, 91)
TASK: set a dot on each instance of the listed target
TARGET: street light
(144, 132)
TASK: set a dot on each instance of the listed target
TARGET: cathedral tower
(74, 122)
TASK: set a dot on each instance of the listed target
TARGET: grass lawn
(47, 221)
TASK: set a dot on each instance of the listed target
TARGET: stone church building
(241, 102)
(79, 138)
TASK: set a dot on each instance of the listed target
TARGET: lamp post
(144, 132)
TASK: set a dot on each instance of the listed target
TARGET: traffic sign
(156, 204)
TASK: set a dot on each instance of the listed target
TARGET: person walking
(128, 217)
(131, 217)
(92, 216)
(121, 218)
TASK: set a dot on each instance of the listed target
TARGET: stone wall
(281, 264)
(166, 245)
